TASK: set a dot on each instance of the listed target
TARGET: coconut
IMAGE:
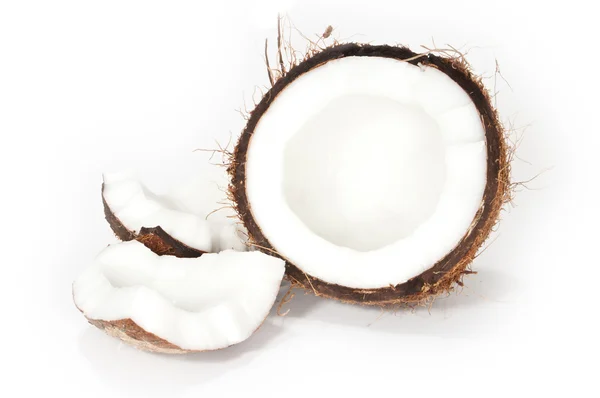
(176, 305)
(375, 172)
(168, 224)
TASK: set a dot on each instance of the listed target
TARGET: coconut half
(166, 223)
(175, 305)
(375, 172)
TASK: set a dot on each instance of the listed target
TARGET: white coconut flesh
(198, 304)
(366, 171)
(136, 206)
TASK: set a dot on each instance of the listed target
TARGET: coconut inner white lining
(352, 185)
(202, 303)
(366, 171)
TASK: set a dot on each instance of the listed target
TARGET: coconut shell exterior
(449, 270)
(132, 334)
(154, 238)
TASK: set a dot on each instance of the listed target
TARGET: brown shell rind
(449, 270)
(154, 238)
(132, 334)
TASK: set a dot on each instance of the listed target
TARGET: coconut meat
(197, 304)
(366, 171)
(203, 196)
(136, 206)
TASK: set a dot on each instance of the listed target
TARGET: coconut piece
(173, 305)
(169, 225)
(375, 172)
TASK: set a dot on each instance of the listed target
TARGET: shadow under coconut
(123, 366)
(466, 311)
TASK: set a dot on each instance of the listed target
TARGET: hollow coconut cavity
(175, 305)
(176, 223)
(375, 172)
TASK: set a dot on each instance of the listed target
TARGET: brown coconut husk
(442, 276)
(154, 238)
(132, 334)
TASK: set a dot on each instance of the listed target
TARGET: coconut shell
(132, 334)
(154, 238)
(449, 270)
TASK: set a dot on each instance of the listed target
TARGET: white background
(87, 87)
